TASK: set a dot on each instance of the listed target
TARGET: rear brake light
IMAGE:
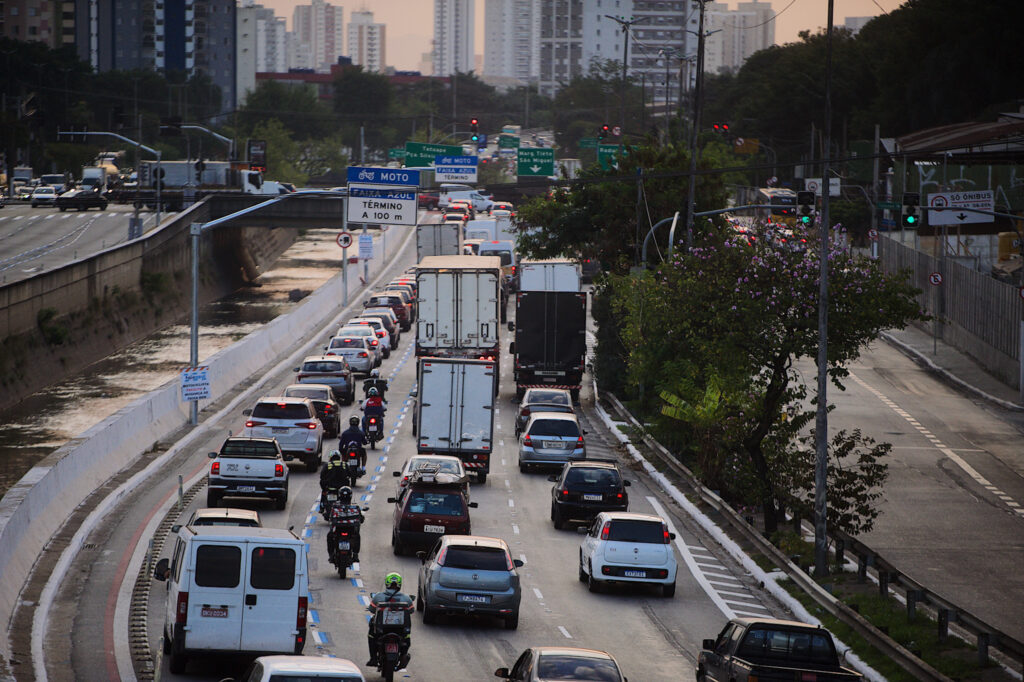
(374, 342)
(508, 562)
(440, 557)
(527, 441)
(565, 492)
(181, 611)
(373, 420)
(328, 409)
(300, 616)
(363, 354)
(215, 469)
(380, 334)
(249, 424)
(605, 530)
(306, 425)
(278, 471)
(666, 534)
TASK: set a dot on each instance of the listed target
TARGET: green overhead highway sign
(423, 153)
(587, 143)
(508, 141)
(606, 155)
(535, 161)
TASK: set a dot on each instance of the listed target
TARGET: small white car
(378, 328)
(293, 423)
(628, 547)
(268, 668)
(44, 195)
(364, 330)
(355, 349)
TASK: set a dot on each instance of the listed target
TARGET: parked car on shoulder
(82, 199)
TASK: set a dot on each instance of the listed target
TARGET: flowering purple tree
(711, 337)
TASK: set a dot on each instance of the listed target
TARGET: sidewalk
(953, 367)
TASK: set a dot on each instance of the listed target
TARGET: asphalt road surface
(33, 240)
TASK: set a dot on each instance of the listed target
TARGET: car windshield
(622, 530)
(476, 558)
(435, 503)
(541, 396)
(321, 366)
(562, 428)
(596, 478)
(291, 411)
(44, 190)
(563, 667)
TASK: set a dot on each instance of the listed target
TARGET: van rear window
(505, 256)
(273, 568)
(218, 565)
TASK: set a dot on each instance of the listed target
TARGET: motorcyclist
(332, 477)
(353, 435)
(374, 381)
(391, 595)
(345, 511)
(373, 406)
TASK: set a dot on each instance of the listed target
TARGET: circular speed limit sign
(873, 234)
(935, 279)
(344, 239)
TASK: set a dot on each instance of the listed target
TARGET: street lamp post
(691, 199)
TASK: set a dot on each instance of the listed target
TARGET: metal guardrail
(875, 637)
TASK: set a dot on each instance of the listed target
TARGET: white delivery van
(483, 229)
(506, 251)
(556, 274)
(234, 590)
(477, 199)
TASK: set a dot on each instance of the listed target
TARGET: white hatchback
(365, 330)
(269, 668)
(293, 423)
(628, 547)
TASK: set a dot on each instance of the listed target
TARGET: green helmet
(392, 581)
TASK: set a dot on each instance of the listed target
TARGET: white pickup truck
(248, 467)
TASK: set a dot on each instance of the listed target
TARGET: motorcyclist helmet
(345, 495)
(393, 581)
(372, 392)
(335, 455)
(353, 421)
(374, 373)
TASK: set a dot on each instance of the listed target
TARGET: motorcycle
(344, 529)
(392, 644)
(374, 429)
(353, 465)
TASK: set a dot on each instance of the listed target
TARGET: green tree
(363, 99)
(282, 152)
(296, 107)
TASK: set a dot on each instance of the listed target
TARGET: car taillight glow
(251, 423)
(565, 492)
(363, 354)
(373, 420)
(508, 562)
(278, 471)
(328, 409)
(665, 534)
(215, 469)
(300, 615)
(374, 342)
(605, 530)
(181, 610)
(579, 442)
(618, 495)
(527, 441)
(307, 425)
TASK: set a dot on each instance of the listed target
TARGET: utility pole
(691, 199)
(624, 25)
(821, 416)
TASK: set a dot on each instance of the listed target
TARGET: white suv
(629, 548)
(293, 423)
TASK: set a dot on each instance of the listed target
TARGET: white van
(506, 251)
(484, 229)
(234, 590)
(478, 200)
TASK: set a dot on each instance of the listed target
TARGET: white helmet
(374, 373)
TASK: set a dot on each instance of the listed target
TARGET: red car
(393, 300)
(431, 505)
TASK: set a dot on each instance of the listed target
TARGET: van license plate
(246, 488)
(635, 574)
(433, 529)
(213, 612)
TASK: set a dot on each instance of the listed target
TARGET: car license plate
(556, 445)
(213, 612)
(473, 598)
(279, 429)
(589, 497)
(246, 488)
(343, 545)
(635, 574)
(433, 529)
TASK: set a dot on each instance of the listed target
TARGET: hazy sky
(410, 24)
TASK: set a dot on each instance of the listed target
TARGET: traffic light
(474, 128)
(720, 128)
(911, 215)
(805, 207)
(603, 132)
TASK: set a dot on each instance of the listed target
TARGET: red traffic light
(473, 121)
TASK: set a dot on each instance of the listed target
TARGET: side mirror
(247, 411)
(414, 393)
(212, 455)
(582, 530)
(412, 598)
(553, 478)
(518, 563)
(512, 348)
(296, 369)
(511, 326)
(473, 505)
(396, 474)
(671, 536)
(585, 432)
(421, 555)
(162, 571)
(392, 500)
(175, 528)
(366, 508)
(708, 644)
(502, 673)
(365, 303)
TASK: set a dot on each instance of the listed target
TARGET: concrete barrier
(40, 503)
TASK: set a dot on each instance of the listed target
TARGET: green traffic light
(911, 219)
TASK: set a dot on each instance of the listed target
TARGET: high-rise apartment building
(318, 35)
(453, 37)
(512, 39)
(366, 42)
(190, 36)
(46, 21)
(736, 34)
(260, 46)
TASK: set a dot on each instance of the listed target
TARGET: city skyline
(410, 22)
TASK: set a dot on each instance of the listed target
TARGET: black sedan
(82, 200)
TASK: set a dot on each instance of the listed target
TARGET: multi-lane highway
(654, 638)
(44, 238)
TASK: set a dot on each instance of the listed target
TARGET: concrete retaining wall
(39, 503)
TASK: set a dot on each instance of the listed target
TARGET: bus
(777, 196)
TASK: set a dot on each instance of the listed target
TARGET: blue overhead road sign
(384, 176)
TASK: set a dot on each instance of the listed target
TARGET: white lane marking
(515, 529)
(688, 558)
(511, 502)
(749, 605)
(539, 595)
(564, 632)
(507, 483)
(736, 594)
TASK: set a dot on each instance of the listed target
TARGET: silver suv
(293, 423)
(331, 370)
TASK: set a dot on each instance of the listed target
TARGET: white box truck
(556, 274)
(455, 410)
(459, 310)
(438, 239)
